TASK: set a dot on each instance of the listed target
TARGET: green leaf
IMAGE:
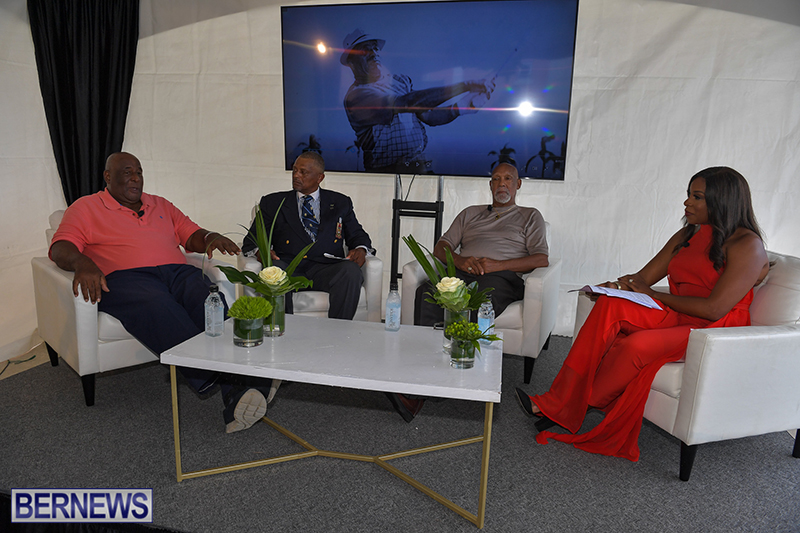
(476, 297)
(300, 282)
(252, 276)
(264, 244)
(271, 230)
(296, 261)
(233, 275)
(419, 255)
(451, 264)
(290, 283)
(245, 330)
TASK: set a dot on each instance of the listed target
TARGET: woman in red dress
(712, 264)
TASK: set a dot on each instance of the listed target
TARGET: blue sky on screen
(527, 44)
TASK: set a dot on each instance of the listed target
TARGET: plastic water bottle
(215, 312)
(486, 320)
(393, 309)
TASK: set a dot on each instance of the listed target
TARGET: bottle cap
(393, 286)
(213, 288)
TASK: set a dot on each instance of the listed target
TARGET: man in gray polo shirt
(493, 245)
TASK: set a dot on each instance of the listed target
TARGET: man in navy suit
(325, 218)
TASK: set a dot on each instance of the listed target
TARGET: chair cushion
(668, 379)
(777, 300)
(310, 301)
(306, 302)
(511, 317)
(110, 329)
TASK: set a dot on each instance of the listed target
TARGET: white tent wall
(29, 185)
(661, 90)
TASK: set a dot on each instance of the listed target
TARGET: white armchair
(90, 341)
(733, 382)
(526, 324)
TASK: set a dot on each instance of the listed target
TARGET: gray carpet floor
(50, 439)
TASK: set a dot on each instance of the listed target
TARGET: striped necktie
(310, 222)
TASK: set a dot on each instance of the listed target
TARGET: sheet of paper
(635, 297)
(331, 256)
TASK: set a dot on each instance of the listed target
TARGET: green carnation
(250, 307)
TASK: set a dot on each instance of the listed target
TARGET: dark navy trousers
(162, 307)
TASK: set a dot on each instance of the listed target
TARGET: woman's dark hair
(729, 208)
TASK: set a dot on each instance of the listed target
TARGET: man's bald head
(124, 179)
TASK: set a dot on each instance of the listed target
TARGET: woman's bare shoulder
(746, 247)
(745, 240)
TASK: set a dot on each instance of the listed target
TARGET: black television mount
(405, 208)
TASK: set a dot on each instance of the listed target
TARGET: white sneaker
(250, 408)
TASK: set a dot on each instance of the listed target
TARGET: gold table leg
(176, 431)
(380, 460)
(487, 442)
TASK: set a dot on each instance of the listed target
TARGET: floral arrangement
(272, 281)
(470, 332)
(250, 308)
(449, 292)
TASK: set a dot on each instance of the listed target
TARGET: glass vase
(462, 354)
(275, 325)
(449, 318)
(248, 332)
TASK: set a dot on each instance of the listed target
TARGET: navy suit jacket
(289, 236)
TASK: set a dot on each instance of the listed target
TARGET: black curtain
(85, 55)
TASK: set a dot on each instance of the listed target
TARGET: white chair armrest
(67, 323)
(739, 382)
(373, 287)
(540, 307)
(413, 277)
(248, 263)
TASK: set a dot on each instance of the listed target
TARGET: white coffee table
(359, 355)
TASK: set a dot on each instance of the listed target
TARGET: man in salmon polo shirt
(124, 247)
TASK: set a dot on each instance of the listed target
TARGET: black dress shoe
(543, 423)
(407, 407)
(525, 402)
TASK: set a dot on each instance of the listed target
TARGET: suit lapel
(289, 211)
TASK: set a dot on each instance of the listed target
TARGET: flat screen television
(447, 88)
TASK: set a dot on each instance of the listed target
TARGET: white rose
(273, 276)
(449, 284)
